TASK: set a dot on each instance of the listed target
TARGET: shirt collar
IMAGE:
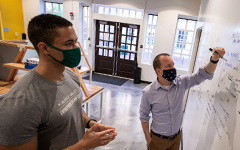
(157, 85)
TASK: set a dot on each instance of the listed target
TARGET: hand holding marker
(213, 51)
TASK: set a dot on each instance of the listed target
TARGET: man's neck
(50, 71)
(163, 81)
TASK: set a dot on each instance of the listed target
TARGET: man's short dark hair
(156, 61)
(43, 28)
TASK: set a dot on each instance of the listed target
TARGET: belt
(166, 137)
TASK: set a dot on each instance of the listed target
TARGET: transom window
(150, 33)
(183, 43)
(54, 8)
(119, 11)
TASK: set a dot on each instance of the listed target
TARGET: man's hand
(220, 52)
(94, 137)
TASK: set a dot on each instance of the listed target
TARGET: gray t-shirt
(37, 107)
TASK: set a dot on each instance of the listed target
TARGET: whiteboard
(212, 116)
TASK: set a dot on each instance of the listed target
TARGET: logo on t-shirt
(68, 101)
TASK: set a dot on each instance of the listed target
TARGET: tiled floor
(121, 110)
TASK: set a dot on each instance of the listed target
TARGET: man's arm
(145, 126)
(211, 67)
(32, 145)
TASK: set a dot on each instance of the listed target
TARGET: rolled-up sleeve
(144, 108)
(196, 78)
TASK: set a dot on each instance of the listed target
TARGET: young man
(164, 99)
(43, 110)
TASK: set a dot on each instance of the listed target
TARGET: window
(85, 28)
(54, 8)
(119, 11)
(150, 33)
(183, 43)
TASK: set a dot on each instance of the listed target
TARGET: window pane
(147, 43)
(48, 6)
(61, 8)
(176, 59)
(106, 10)
(100, 43)
(119, 12)
(134, 40)
(113, 11)
(135, 32)
(124, 29)
(128, 47)
(188, 37)
(106, 28)
(105, 52)
(177, 47)
(123, 39)
(85, 22)
(100, 51)
(121, 55)
(150, 18)
(101, 36)
(133, 48)
(132, 13)
(184, 60)
(152, 43)
(155, 20)
(132, 56)
(55, 7)
(181, 24)
(100, 10)
(150, 55)
(129, 31)
(111, 37)
(85, 11)
(105, 43)
(125, 13)
(149, 31)
(122, 46)
(110, 53)
(129, 39)
(127, 56)
(111, 44)
(179, 35)
(145, 54)
(190, 25)
(111, 29)
(106, 36)
(85, 36)
(186, 49)
(102, 27)
(85, 44)
(153, 31)
(139, 15)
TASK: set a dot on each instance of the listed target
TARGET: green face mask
(71, 58)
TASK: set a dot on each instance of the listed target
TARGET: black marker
(213, 51)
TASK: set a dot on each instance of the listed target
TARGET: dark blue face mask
(169, 74)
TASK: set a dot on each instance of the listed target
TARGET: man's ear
(159, 71)
(43, 48)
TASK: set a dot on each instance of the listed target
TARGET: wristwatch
(213, 61)
(89, 122)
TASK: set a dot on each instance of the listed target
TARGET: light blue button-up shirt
(167, 105)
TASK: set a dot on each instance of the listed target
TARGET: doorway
(116, 48)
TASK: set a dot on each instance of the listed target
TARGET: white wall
(31, 8)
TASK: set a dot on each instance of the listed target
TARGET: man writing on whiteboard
(164, 99)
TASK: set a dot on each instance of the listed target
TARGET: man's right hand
(93, 139)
